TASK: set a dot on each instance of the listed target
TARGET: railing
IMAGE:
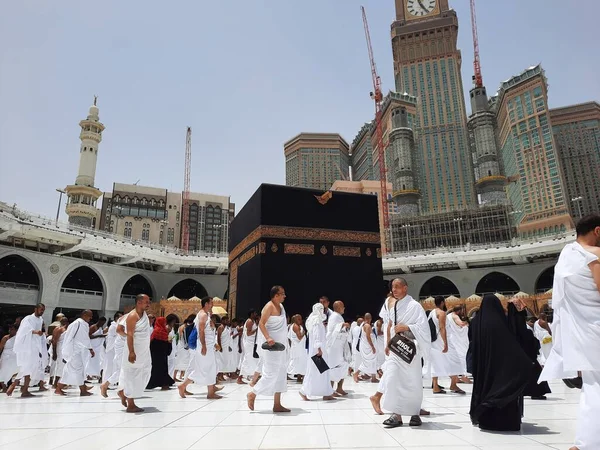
(81, 292)
(10, 284)
(52, 224)
(469, 247)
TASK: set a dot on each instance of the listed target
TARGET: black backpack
(432, 328)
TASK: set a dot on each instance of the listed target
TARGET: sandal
(393, 421)
(415, 421)
(459, 391)
(441, 391)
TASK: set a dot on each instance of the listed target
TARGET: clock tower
(427, 65)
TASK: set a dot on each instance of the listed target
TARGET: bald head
(338, 306)
(64, 321)
(399, 288)
(368, 317)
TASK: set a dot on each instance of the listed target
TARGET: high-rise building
(528, 151)
(154, 215)
(489, 178)
(316, 160)
(576, 131)
(82, 196)
(427, 65)
(406, 192)
(362, 154)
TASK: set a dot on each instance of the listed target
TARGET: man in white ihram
(136, 365)
(75, 350)
(28, 351)
(401, 385)
(273, 326)
(576, 326)
(203, 366)
(337, 347)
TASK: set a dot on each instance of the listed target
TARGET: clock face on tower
(420, 8)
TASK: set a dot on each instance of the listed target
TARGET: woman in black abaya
(501, 370)
(517, 323)
(160, 349)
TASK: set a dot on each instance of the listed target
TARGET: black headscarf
(501, 369)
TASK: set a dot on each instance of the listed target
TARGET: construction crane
(185, 204)
(377, 96)
(477, 77)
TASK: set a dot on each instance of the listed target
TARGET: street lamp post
(406, 227)
(59, 202)
(458, 220)
(578, 200)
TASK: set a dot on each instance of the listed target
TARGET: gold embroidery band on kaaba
(346, 251)
(299, 249)
(306, 234)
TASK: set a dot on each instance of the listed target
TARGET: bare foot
(574, 448)
(182, 390)
(214, 397)
(340, 391)
(355, 377)
(251, 396)
(27, 394)
(375, 402)
(218, 388)
(85, 393)
(304, 397)
(240, 381)
(121, 395)
(11, 389)
(188, 392)
(329, 397)
(134, 409)
(89, 388)
(104, 390)
(58, 391)
(337, 394)
(43, 388)
(424, 412)
(278, 409)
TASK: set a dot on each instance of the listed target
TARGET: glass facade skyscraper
(427, 65)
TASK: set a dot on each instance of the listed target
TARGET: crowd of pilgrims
(503, 352)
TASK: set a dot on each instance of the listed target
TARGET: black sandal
(441, 391)
(415, 421)
(393, 422)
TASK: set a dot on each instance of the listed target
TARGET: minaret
(406, 193)
(489, 181)
(82, 196)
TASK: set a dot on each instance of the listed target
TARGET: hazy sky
(246, 75)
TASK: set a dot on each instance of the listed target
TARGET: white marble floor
(49, 422)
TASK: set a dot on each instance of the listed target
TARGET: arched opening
(19, 287)
(82, 289)
(83, 278)
(438, 286)
(18, 272)
(188, 288)
(137, 284)
(545, 280)
(497, 282)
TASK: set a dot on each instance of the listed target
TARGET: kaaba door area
(311, 243)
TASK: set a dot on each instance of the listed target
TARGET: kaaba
(311, 243)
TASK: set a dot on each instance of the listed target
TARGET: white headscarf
(317, 316)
